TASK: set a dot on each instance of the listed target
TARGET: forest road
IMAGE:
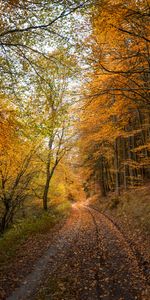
(90, 260)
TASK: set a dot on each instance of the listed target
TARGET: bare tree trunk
(102, 178)
(116, 165)
(48, 176)
(131, 174)
(45, 195)
(50, 169)
(125, 167)
(4, 223)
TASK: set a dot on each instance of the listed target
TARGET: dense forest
(38, 70)
(115, 121)
(74, 149)
(74, 109)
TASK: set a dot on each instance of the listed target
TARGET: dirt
(90, 259)
(15, 271)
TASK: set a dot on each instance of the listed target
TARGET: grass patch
(40, 223)
(64, 208)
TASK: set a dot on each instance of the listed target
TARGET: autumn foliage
(115, 121)
(44, 65)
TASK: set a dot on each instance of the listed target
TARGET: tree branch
(43, 26)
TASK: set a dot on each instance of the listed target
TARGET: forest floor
(131, 214)
(88, 258)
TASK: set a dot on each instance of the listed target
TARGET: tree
(26, 39)
(36, 80)
(115, 122)
(16, 168)
(51, 117)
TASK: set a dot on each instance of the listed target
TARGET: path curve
(91, 260)
(65, 237)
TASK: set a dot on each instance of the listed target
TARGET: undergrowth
(36, 224)
(132, 205)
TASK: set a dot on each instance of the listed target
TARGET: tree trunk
(102, 178)
(131, 173)
(116, 165)
(125, 167)
(48, 176)
(3, 224)
(45, 195)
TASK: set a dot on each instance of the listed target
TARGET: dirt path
(90, 260)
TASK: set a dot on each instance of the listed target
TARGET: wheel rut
(121, 272)
(45, 266)
(90, 261)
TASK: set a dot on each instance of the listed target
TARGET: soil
(88, 258)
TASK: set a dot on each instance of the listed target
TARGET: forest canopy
(75, 81)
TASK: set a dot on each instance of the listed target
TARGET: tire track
(99, 276)
(91, 260)
(143, 265)
(136, 287)
(78, 274)
(120, 233)
(46, 264)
